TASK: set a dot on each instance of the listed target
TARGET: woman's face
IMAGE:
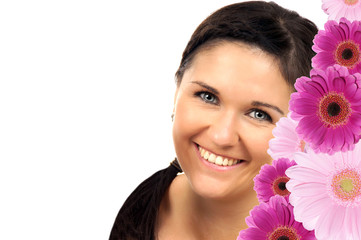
(225, 109)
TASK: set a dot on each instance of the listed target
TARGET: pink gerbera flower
(273, 221)
(326, 193)
(338, 44)
(336, 9)
(272, 180)
(328, 107)
(286, 141)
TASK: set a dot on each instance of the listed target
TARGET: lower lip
(215, 166)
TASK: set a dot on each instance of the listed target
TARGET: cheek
(184, 122)
(259, 143)
(186, 126)
(188, 119)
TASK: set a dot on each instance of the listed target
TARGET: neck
(205, 218)
(222, 217)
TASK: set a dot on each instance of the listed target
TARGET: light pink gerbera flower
(336, 9)
(328, 107)
(272, 180)
(339, 43)
(286, 140)
(274, 221)
(326, 193)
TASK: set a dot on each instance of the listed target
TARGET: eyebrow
(257, 104)
(254, 103)
(213, 90)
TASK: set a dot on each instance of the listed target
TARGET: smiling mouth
(216, 159)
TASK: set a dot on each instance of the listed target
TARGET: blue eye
(208, 97)
(260, 115)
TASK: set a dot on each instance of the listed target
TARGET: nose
(224, 130)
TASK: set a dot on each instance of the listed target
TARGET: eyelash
(267, 117)
(202, 95)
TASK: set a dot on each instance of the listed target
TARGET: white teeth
(212, 158)
(218, 160)
(225, 162)
(206, 155)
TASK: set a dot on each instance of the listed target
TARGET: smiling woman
(233, 84)
(226, 106)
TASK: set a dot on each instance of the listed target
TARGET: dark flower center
(282, 186)
(347, 54)
(279, 186)
(283, 233)
(333, 109)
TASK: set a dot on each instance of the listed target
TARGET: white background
(86, 95)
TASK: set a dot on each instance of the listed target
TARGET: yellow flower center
(301, 146)
(346, 185)
(351, 2)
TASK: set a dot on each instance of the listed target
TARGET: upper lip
(224, 156)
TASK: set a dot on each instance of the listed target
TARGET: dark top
(137, 217)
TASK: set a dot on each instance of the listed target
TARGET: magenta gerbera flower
(328, 107)
(286, 140)
(338, 44)
(272, 180)
(273, 221)
(326, 193)
(336, 9)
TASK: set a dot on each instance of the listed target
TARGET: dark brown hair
(277, 31)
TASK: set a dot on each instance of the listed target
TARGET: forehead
(233, 56)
